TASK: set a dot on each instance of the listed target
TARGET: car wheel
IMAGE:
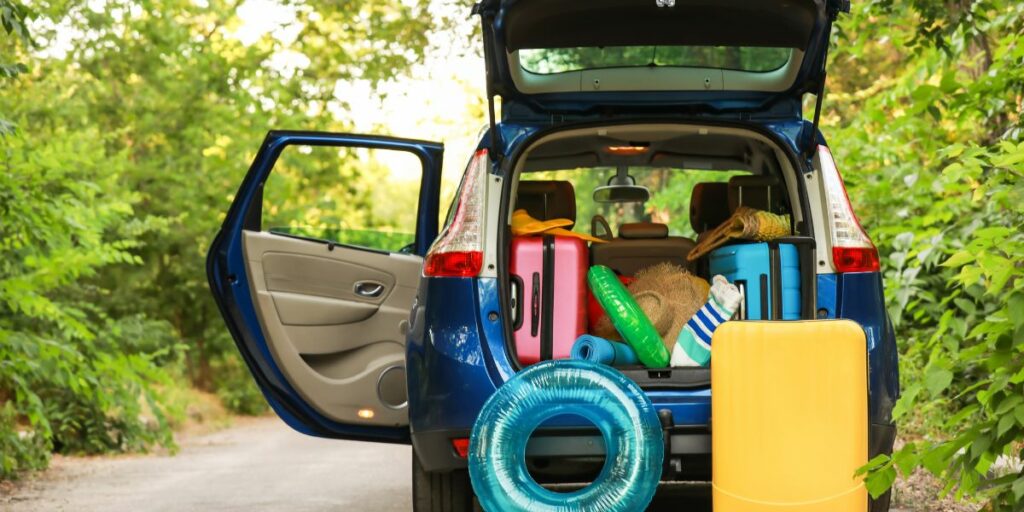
(440, 491)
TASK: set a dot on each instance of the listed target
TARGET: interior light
(626, 150)
(366, 414)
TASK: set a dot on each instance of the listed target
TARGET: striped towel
(693, 346)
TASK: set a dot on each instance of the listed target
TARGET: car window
(669, 203)
(352, 196)
(740, 58)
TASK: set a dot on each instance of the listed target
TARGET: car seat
(640, 245)
(546, 200)
(709, 206)
(759, 192)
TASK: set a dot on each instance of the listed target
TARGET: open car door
(315, 270)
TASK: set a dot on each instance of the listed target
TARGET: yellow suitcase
(789, 416)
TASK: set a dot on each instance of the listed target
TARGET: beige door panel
(297, 309)
(388, 324)
(321, 274)
(342, 351)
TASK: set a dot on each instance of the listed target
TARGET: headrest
(761, 192)
(709, 206)
(634, 230)
(546, 200)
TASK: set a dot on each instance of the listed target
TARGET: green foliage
(747, 58)
(130, 140)
(13, 16)
(351, 196)
(236, 388)
(20, 450)
(670, 196)
(927, 97)
(134, 126)
(70, 380)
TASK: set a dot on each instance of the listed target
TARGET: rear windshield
(548, 61)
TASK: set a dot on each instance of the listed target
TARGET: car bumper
(688, 446)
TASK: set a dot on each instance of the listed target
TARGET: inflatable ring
(627, 317)
(616, 405)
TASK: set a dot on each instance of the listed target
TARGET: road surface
(262, 465)
(258, 465)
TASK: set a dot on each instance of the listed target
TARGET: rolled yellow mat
(789, 408)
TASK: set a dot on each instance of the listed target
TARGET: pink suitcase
(549, 284)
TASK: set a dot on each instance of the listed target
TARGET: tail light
(461, 446)
(852, 249)
(458, 251)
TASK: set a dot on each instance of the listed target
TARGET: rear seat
(759, 192)
(641, 245)
(713, 203)
(546, 200)
(709, 206)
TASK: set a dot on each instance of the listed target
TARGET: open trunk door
(320, 315)
(568, 56)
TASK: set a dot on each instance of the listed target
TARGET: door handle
(369, 289)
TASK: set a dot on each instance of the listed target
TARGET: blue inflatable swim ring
(602, 395)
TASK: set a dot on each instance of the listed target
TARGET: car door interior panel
(299, 309)
(319, 274)
(332, 343)
(318, 304)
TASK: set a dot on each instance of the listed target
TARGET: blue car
(609, 112)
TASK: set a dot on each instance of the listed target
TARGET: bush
(236, 388)
(20, 449)
(72, 378)
(119, 150)
(931, 142)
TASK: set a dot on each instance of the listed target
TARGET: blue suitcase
(767, 274)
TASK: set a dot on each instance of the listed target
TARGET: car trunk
(664, 148)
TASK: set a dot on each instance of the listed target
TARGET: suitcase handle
(535, 306)
(741, 314)
(517, 302)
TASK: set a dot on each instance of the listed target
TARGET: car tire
(440, 491)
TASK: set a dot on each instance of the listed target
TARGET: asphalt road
(262, 465)
(258, 465)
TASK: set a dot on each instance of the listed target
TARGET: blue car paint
(226, 271)
(827, 297)
(457, 355)
(861, 299)
(461, 358)
(864, 303)
(445, 362)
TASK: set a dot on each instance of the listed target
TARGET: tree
(927, 97)
(134, 129)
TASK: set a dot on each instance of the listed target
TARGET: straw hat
(524, 224)
(668, 295)
(684, 291)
